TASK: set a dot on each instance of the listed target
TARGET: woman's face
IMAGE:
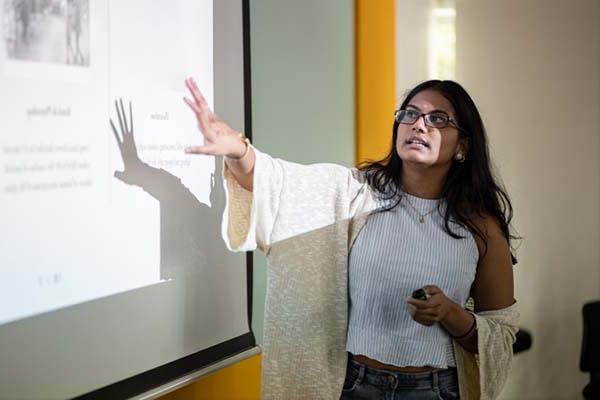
(426, 146)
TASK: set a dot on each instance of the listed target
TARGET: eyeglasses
(437, 119)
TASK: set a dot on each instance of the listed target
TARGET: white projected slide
(80, 204)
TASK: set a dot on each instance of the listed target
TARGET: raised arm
(220, 139)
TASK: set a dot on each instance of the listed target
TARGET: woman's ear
(463, 146)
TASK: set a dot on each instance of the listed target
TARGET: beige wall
(412, 17)
(533, 68)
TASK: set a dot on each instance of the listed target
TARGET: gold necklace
(421, 216)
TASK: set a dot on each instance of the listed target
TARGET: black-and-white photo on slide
(51, 31)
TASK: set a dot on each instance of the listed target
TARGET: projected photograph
(51, 31)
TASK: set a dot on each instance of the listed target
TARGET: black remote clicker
(419, 294)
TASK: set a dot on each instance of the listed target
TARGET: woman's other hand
(435, 309)
(457, 321)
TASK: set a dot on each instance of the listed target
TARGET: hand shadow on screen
(191, 248)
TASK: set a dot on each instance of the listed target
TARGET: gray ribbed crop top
(393, 255)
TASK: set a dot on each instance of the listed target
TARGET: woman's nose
(419, 125)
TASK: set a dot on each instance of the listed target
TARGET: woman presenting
(349, 248)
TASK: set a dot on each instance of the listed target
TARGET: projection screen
(114, 276)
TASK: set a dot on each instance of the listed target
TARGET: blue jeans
(363, 382)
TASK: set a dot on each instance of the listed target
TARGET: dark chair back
(590, 346)
(590, 349)
(523, 341)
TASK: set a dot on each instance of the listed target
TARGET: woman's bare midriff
(369, 362)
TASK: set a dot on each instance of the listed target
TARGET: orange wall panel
(240, 381)
(375, 77)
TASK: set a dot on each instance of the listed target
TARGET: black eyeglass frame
(449, 121)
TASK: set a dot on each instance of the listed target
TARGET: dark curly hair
(470, 189)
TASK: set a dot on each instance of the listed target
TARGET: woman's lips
(417, 143)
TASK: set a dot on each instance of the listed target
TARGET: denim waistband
(404, 380)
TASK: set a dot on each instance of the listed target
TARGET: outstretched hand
(219, 138)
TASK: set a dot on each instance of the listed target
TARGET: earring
(460, 157)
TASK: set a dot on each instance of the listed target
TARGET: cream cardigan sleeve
(249, 217)
(482, 376)
(320, 194)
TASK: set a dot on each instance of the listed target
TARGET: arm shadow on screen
(192, 251)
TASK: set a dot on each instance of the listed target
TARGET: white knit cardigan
(305, 219)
